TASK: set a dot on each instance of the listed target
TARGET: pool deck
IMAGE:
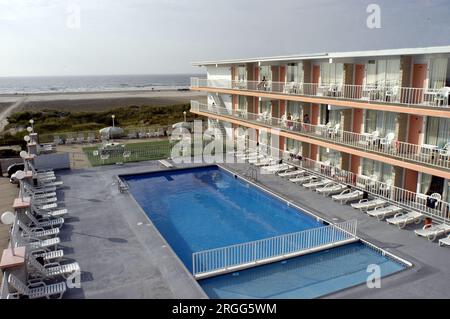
(120, 252)
(122, 255)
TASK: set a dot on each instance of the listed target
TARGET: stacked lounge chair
(38, 229)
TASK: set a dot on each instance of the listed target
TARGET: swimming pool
(203, 208)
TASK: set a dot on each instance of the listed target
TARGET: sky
(100, 37)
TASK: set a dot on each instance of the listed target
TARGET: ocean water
(60, 84)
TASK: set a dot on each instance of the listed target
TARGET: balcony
(434, 99)
(424, 155)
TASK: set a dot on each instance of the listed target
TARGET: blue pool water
(204, 208)
(308, 276)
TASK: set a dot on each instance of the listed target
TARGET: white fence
(225, 259)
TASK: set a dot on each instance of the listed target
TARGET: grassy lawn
(144, 151)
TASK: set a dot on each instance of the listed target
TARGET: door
(418, 83)
(315, 79)
(359, 80)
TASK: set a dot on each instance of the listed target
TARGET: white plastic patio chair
(386, 142)
(431, 232)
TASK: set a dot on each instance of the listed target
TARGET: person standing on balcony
(289, 121)
(262, 84)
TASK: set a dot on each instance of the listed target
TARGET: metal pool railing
(231, 258)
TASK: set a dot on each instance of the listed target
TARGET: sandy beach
(98, 101)
(92, 101)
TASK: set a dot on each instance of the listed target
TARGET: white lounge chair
(263, 162)
(316, 184)
(365, 204)
(50, 184)
(44, 206)
(48, 255)
(292, 173)
(41, 195)
(444, 241)
(38, 190)
(383, 212)
(36, 232)
(36, 289)
(44, 222)
(431, 232)
(44, 200)
(52, 269)
(276, 168)
(36, 243)
(331, 189)
(45, 213)
(403, 219)
(303, 179)
(348, 195)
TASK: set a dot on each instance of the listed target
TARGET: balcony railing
(429, 155)
(438, 210)
(362, 93)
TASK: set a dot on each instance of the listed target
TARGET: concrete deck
(122, 258)
(120, 252)
(428, 278)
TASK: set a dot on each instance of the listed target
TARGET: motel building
(382, 115)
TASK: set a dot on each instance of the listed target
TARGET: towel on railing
(432, 202)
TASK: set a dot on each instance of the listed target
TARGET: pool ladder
(252, 173)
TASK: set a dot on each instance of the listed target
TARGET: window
(438, 131)
(265, 71)
(388, 72)
(329, 116)
(381, 121)
(294, 72)
(383, 72)
(294, 109)
(265, 106)
(331, 156)
(331, 73)
(242, 106)
(437, 73)
(293, 146)
(242, 74)
(378, 170)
